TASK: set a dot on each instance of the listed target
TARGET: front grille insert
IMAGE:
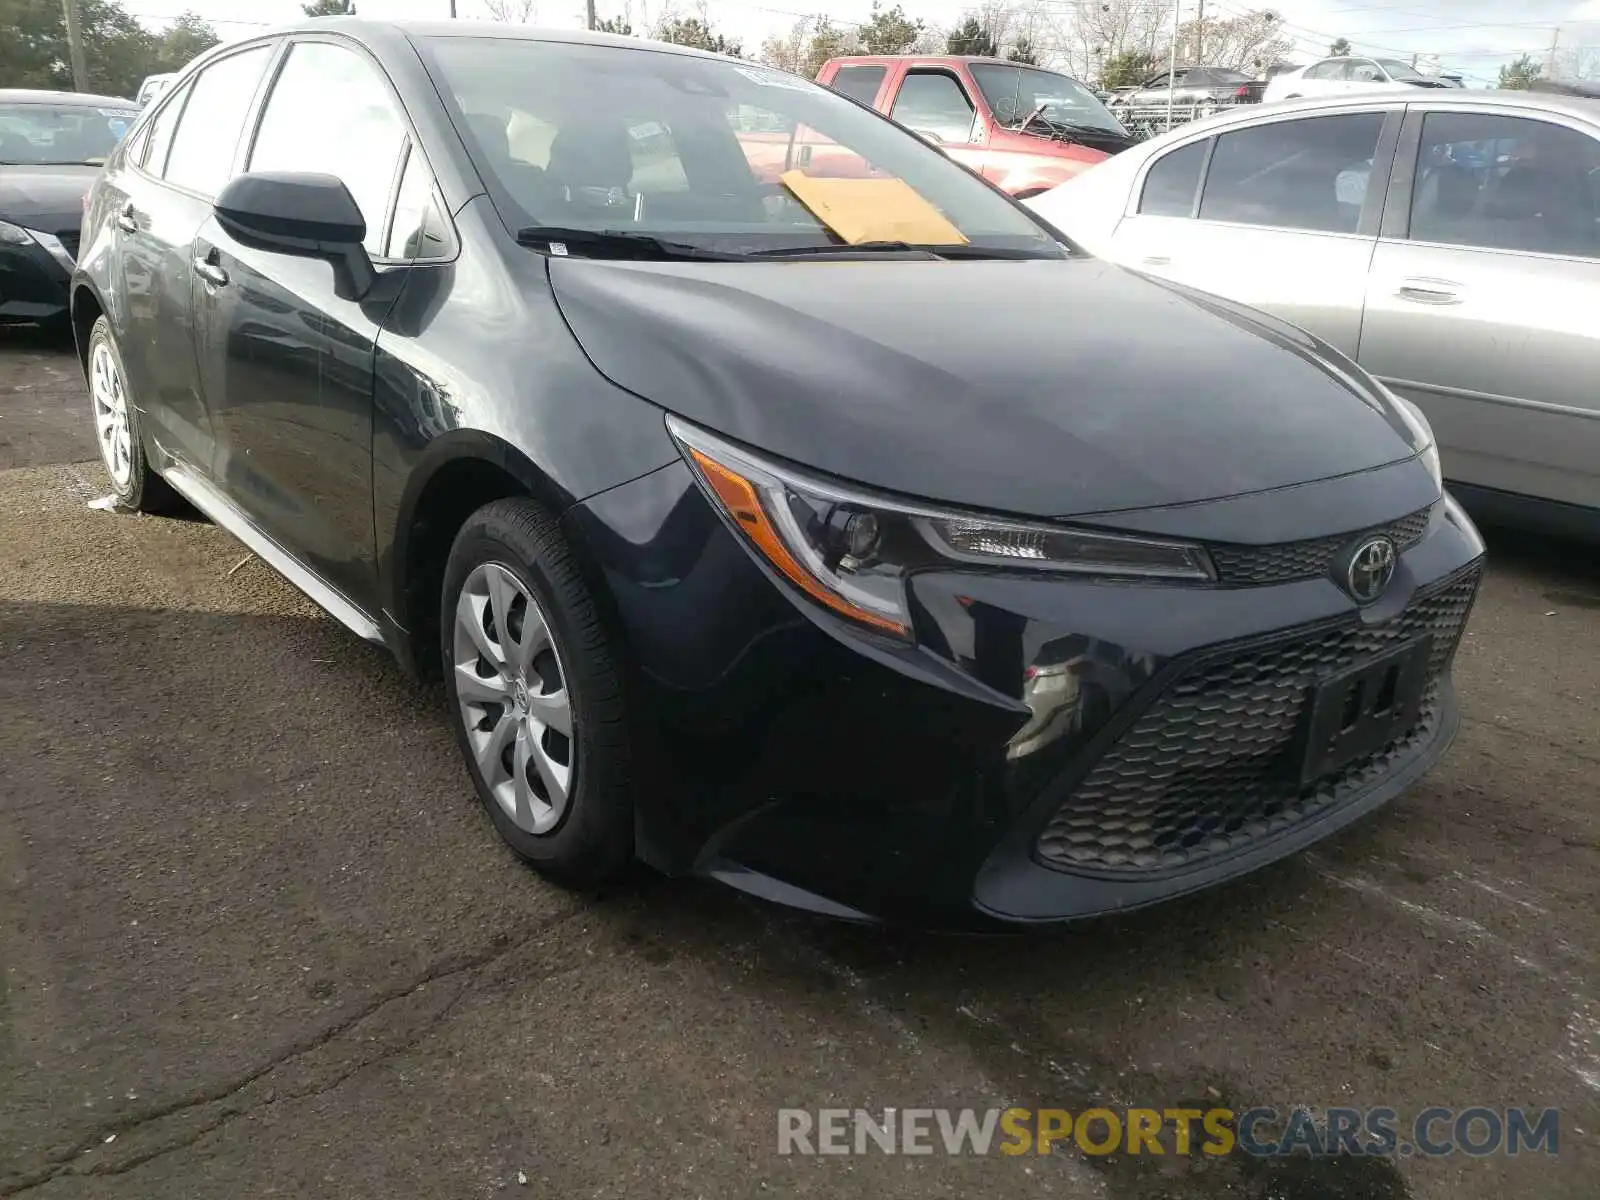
(1212, 765)
(1254, 565)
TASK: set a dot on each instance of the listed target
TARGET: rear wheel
(117, 429)
(536, 694)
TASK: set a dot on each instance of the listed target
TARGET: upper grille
(69, 240)
(1284, 561)
(1212, 764)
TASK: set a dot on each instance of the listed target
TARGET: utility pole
(1172, 60)
(1555, 46)
(592, 21)
(1200, 34)
(80, 68)
(452, 10)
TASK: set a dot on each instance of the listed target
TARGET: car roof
(41, 96)
(941, 58)
(1507, 99)
(366, 28)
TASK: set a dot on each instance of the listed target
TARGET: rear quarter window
(1173, 182)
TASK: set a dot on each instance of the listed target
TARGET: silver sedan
(1449, 242)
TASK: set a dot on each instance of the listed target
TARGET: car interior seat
(592, 163)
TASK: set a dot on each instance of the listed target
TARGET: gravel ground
(256, 938)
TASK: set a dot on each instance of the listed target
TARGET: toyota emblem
(1371, 567)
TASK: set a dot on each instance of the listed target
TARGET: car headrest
(592, 155)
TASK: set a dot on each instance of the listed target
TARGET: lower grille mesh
(1212, 765)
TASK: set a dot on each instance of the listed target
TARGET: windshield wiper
(613, 243)
(928, 250)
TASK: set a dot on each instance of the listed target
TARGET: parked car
(1022, 128)
(153, 86)
(1447, 241)
(1195, 85)
(838, 539)
(51, 147)
(1342, 76)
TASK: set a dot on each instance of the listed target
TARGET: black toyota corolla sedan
(52, 145)
(779, 502)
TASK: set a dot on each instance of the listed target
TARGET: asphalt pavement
(258, 939)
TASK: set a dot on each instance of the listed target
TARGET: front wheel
(536, 694)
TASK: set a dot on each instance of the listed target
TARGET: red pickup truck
(1022, 128)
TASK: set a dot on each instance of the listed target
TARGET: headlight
(1430, 459)
(15, 235)
(1422, 438)
(853, 551)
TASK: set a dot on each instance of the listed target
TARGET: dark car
(850, 538)
(1195, 86)
(51, 147)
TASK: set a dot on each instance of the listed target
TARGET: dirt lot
(257, 939)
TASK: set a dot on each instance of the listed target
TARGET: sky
(1471, 36)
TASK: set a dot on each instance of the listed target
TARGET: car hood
(1044, 388)
(48, 198)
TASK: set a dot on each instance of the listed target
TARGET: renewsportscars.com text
(1260, 1132)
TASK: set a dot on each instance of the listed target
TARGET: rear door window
(203, 148)
(1310, 173)
(152, 154)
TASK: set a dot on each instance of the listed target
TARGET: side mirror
(312, 216)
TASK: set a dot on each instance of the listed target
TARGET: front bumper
(1052, 748)
(34, 279)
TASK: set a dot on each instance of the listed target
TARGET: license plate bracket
(1356, 713)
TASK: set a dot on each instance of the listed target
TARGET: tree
(1128, 69)
(1340, 48)
(889, 31)
(512, 12)
(970, 37)
(185, 40)
(787, 51)
(329, 8)
(120, 52)
(615, 25)
(1520, 72)
(1249, 43)
(1022, 52)
(696, 32)
(829, 41)
(1098, 35)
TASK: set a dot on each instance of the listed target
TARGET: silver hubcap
(111, 414)
(512, 692)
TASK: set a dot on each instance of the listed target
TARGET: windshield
(1015, 92)
(1400, 70)
(1222, 75)
(719, 155)
(60, 134)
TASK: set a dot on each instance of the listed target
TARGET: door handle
(209, 271)
(1157, 260)
(127, 220)
(1429, 291)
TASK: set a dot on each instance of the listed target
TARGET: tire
(118, 432)
(510, 562)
